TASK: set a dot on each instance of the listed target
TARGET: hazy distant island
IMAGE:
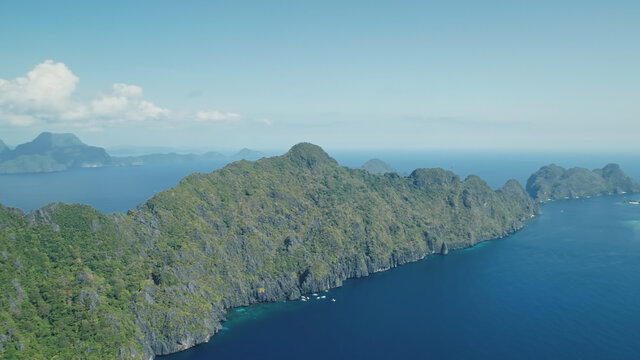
(50, 152)
(3, 147)
(244, 154)
(553, 182)
(377, 166)
(77, 283)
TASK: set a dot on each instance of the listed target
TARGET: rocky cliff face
(553, 182)
(160, 278)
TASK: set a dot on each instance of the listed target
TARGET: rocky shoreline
(287, 290)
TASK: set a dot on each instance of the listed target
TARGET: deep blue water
(108, 189)
(566, 286)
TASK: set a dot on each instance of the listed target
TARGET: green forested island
(80, 284)
(553, 182)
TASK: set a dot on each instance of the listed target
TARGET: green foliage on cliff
(67, 277)
(80, 284)
(553, 182)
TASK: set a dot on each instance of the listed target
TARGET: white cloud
(17, 120)
(46, 87)
(45, 96)
(147, 109)
(109, 105)
(125, 103)
(265, 121)
(126, 90)
(214, 115)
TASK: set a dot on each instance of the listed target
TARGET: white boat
(333, 300)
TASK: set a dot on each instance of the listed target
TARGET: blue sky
(344, 74)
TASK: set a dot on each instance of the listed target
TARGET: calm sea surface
(566, 286)
(108, 189)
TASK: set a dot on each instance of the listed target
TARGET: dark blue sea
(566, 286)
(108, 189)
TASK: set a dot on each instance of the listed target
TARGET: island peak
(57, 139)
(377, 166)
(309, 154)
(247, 154)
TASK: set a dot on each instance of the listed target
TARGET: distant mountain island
(247, 154)
(553, 182)
(244, 154)
(164, 158)
(51, 152)
(77, 283)
(377, 166)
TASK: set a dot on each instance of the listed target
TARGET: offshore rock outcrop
(553, 182)
(160, 278)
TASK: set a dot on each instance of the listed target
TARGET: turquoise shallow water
(566, 286)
